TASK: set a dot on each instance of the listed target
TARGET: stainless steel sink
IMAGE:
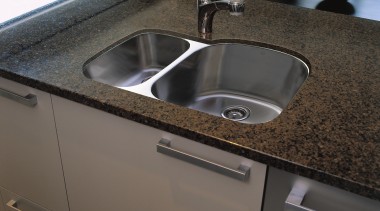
(136, 60)
(239, 82)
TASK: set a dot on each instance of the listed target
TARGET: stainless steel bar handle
(28, 100)
(241, 173)
(294, 200)
(13, 205)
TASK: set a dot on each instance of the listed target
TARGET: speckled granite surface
(330, 130)
(23, 32)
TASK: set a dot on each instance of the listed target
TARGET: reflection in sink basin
(135, 60)
(239, 82)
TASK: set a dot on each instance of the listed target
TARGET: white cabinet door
(316, 196)
(2, 208)
(30, 162)
(14, 202)
(111, 163)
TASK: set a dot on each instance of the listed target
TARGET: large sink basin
(136, 60)
(239, 82)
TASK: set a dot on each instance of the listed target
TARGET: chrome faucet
(207, 10)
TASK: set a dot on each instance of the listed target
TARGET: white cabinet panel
(317, 196)
(111, 163)
(2, 208)
(30, 162)
(13, 202)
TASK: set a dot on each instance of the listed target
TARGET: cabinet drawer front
(29, 155)
(207, 189)
(317, 196)
(14, 202)
(240, 173)
(111, 163)
(2, 208)
(28, 100)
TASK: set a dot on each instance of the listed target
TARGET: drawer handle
(242, 173)
(294, 200)
(28, 100)
(13, 205)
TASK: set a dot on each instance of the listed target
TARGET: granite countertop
(329, 132)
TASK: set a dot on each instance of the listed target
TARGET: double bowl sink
(240, 82)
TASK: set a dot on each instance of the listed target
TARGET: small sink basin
(135, 60)
(239, 82)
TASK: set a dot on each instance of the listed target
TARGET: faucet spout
(207, 10)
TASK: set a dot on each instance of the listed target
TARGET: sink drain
(236, 113)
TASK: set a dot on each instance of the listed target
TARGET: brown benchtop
(330, 130)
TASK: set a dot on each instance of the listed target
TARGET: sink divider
(146, 87)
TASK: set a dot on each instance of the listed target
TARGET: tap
(207, 10)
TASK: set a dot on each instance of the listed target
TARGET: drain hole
(236, 113)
